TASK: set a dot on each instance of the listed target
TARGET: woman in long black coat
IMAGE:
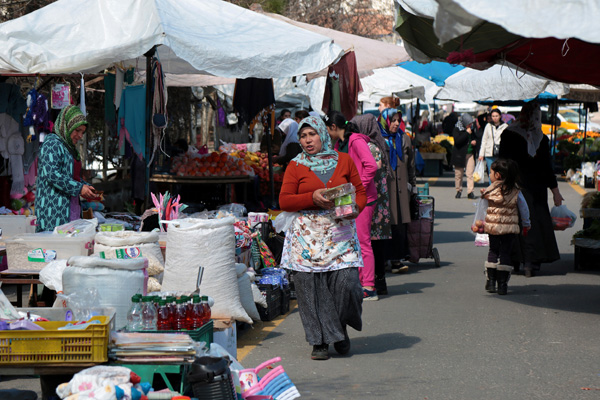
(524, 142)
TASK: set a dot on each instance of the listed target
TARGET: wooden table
(208, 180)
(22, 277)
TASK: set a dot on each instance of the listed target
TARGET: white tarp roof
(207, 36)
(370, 53)
(533, 18)
(500, 82)
(398, 81)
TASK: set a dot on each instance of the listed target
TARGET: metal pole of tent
(584, 135)
(149, 96)
(270, 158)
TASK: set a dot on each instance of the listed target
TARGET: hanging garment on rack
(349, 86)
(132, 119)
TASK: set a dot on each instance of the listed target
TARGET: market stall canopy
(435, 71)
(500, 82)
(552, 38)
(370, 53)
(397, 81)
(194, 36)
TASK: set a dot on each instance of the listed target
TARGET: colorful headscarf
(69, 119)
(393, 139)
(327, 158)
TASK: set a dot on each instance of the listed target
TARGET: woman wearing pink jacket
(348, 139)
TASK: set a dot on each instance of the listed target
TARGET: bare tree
(11, 9)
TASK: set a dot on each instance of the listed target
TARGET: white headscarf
(529, 126)
(290, 128)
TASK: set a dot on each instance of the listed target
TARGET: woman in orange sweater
(322, 252)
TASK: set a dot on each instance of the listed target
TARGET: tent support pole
(270, 158)
(149, 96)
(584, 130)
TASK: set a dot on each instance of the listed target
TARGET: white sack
(247, 298)
(258, 297)
(116, 281)
(210, 244)
(51, 275)
(146, 242)
(240, 269)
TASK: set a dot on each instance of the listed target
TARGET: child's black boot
(490, 273)
(503, 276)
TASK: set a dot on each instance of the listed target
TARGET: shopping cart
(420, 232)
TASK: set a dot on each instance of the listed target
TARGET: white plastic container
(13, 225)
(20, 249)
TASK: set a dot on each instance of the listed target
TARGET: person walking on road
(348, 140)
(322, 252)
(381, 225)
(505, 204)
(490, 142)
(463, 154)
(525, 143)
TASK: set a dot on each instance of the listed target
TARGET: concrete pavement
(439, 335)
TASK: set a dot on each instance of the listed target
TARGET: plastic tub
(13, 225)
(20, 249)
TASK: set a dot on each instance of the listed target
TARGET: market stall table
(433, 164)
(19, 278)
(208, 180)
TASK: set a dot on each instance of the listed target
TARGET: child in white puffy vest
(505, 204)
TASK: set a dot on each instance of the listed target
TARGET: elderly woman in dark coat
(524, 142)
(402, 183)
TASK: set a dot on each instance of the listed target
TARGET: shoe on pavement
(471, 196)
(343, 346)
(458, 194)
(370, 295)
(399, 268)
(320, 352)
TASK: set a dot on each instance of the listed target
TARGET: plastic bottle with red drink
(180, 320)
(173, 308)
(206, 310)
(189, 323)
(165, 321)
(197, 312)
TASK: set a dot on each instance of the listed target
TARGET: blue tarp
(435, 71)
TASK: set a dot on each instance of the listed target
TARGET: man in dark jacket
(463, 154)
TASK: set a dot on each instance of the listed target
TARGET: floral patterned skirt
(317, 242)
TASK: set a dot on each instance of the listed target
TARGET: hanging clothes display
(132, 119)
(344, 75)
(251, 96)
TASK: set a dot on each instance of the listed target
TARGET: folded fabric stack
(151, 348)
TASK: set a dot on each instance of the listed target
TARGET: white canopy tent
(500, 82)
(397, 81)
(533, 18)
(193, 36)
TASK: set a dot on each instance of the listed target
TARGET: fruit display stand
(208, 180)
(433, 164)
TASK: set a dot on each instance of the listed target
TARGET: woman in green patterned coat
(59, 183)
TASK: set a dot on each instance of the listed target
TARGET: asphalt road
(439, 336)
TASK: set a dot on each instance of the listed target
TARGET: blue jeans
(489, 161)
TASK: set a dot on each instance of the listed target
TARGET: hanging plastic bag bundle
(478, 225)
(562, 218)
(479, 173)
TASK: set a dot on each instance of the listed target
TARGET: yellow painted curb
(578, 188)
(258, 332)
(432, 181)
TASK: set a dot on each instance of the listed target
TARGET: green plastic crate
(202, 334)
